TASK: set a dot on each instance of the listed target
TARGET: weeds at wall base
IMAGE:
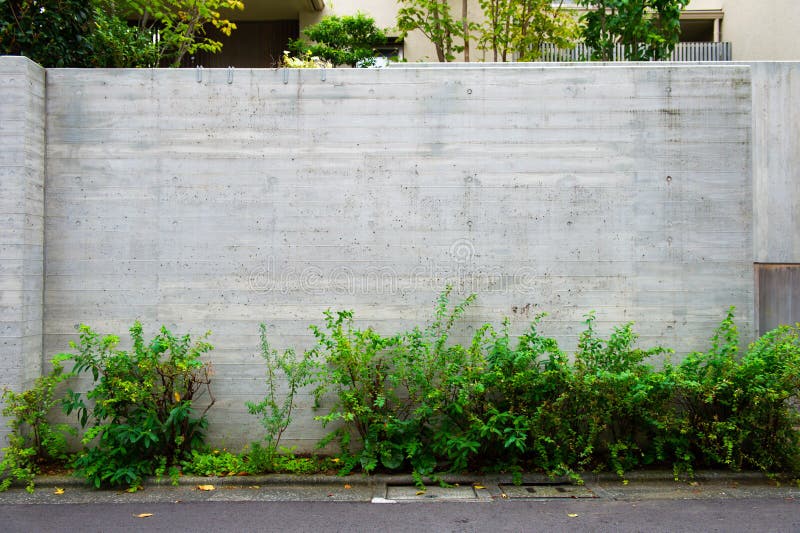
(417, 402)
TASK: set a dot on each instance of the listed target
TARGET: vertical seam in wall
(43, 357)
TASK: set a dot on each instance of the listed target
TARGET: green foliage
(75, 33)
(514, 26)
(141, 404)
(181, 25)
(417, 400)
(649, 29)
(256, 460)
(118, 44)
(357, 367)
(275, 410)
(54, 33)
(347, 40)
(33, 440)
(215, 463)
(736, 412)
(434, 19)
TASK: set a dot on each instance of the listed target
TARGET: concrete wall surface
(216, 205)
(22, 104)
(776, 161)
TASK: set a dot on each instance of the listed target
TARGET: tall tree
(648, 29)
(435, 20)
(521, 26)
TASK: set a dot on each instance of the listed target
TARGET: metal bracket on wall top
(199, 71)
(230, 75)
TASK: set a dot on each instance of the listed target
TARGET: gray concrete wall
(776, 161)
(216, 205)
(22, 105)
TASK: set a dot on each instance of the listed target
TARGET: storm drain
(411, 493)
(544, 490)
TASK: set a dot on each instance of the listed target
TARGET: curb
(644, 476)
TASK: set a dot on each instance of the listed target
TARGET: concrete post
(22, 128)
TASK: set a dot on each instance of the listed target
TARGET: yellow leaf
(347, 486)
(176, 396)
(59, 491)
(420, 492)
(572, 515)
(143, 515)
(205, 487)
(478, 487)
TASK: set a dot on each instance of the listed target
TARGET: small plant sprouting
(275, 410)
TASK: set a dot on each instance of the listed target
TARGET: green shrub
(358, 370)
(735, 412)
(142, 409)
(33, 439)
(275, 410)
(348, 40)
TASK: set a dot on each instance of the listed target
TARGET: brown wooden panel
(251, 45)
(778, 295)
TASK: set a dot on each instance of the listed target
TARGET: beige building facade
(757, 30)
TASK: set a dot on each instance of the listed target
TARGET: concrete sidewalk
(400, 488)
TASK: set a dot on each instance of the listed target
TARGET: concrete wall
(216, 205)
(22, 105)
(776, 161)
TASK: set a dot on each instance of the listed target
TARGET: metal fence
(682, 52)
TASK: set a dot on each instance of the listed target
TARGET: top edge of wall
(20, 62)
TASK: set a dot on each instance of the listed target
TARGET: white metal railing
(683, 52)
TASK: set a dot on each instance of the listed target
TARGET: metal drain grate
(401, 493)
(544, 490)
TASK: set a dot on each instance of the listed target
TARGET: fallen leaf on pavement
(478, 487)
(59, 491)
(205, 487)
(572, 515)
(347, 486)
(254, 487)
(143, 515)
(420, 492)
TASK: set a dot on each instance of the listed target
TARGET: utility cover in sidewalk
(545, 490)
(412, 493)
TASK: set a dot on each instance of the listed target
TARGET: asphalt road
(730, 515)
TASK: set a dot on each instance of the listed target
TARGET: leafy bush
(415, 400)
(54, 33)
(33, 440)
(347, 40)
(116, 43)
(142, 413)
(735, 412)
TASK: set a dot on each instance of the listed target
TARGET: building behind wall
(757, 30)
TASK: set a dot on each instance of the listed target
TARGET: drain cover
(545, 490)
(412, 493)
